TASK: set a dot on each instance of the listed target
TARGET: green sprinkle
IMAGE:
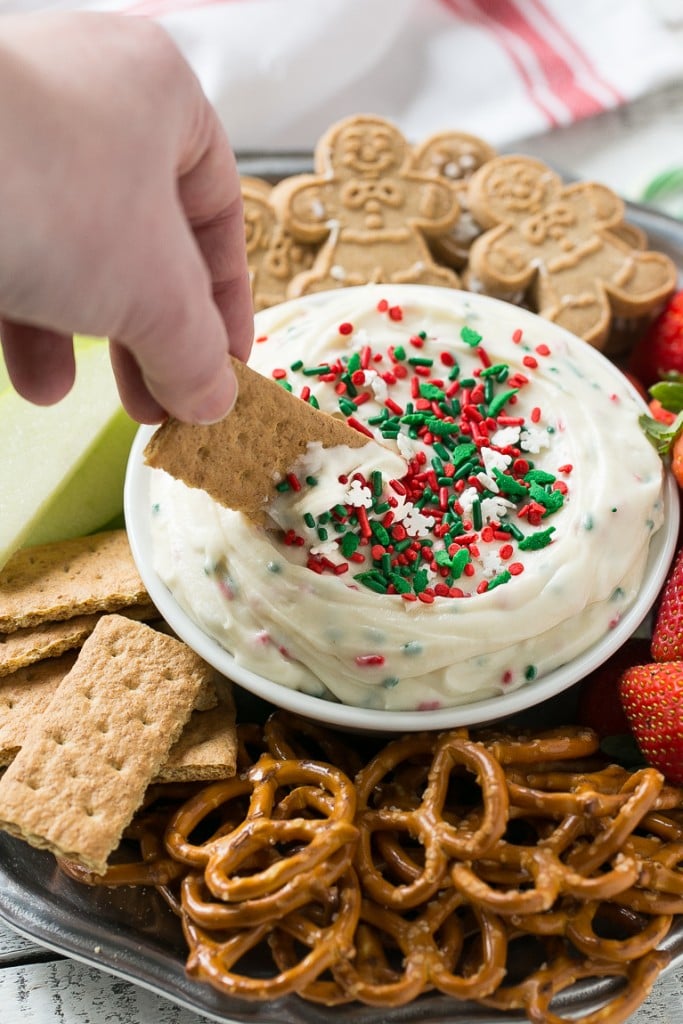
(470, 336)
(349, 544)
(380, 532)
(399, 352)
(354, 362)
(376, 478)
(296, 365)
(156, 508)
(462, 453)
(412, 647)
(285, 385)
(500, 400)
(513, 530)
(312, 400)
(401, 585)
(551, 500)
(432, 392)
(539, 476)
(373, 581)
(390, 682)
(442, 451)
(347, 406)
(282, 486)
(312, 481)
(274, 567)
(476, 514)
(509, 485)
(322, 533)
(442, 427)
(496, 581)
(530, 672)
(536, 541)
(421, 361)
(309, 520)
(316, 371)
(420, 581)
(458, 562)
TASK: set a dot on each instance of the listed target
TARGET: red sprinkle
(346, 328)
(369, 659)
(279, 373)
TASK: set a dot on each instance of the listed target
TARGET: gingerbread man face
(369, 207)
(368, 148)
(274, 257)
(561, 247)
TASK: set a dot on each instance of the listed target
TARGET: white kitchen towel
(280, 71)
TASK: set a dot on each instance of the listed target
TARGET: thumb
(174, 355)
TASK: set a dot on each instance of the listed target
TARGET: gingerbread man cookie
(454, 156)
(560, 247)
(369, 208)
(274, 257)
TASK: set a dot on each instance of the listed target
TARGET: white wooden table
(622, 149)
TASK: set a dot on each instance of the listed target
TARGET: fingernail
(218, 401)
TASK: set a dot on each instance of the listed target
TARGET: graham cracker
(207, 746)
(24, 696)
(67, 578)
(239, 460)
(50, 639)
(87, 760)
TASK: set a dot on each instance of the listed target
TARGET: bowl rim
(661, 551)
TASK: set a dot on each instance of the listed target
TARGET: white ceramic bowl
(138, 521)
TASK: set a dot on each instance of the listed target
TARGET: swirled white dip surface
(504, 531)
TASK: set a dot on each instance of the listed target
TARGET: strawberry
(658, 352)
(664, 425)
(598, 694)
(658, 412)
(652, 698)
(667, 634)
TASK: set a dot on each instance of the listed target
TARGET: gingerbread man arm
(306, 205)
(437, 207)
(641, 281)
(499, 262)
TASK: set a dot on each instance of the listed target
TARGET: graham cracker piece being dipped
(24, 696)
(207, 746)
(239, 460)
(67, 578)
(86, 762)
(51, 639)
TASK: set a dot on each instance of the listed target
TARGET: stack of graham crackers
(95, 704)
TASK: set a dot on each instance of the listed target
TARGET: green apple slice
(62, 466)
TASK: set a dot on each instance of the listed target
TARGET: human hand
(121, 216)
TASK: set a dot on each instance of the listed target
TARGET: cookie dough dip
(502, 528)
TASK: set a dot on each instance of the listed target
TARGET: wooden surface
(624, 149)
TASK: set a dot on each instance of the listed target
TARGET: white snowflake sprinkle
(358, 495)
(532, 439)
(506, 437)
(491, 563)
(416, 523)
(494, 460)
(494, 509)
